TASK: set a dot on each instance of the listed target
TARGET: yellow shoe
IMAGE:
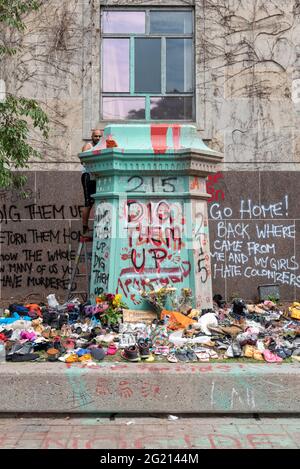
(150, 359)
(86, 357)
(257, 355)
(295, 310)
(248, 351)
(73, 358)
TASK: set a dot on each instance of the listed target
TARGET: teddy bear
(37, 325)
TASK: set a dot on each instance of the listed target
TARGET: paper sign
(135, 315)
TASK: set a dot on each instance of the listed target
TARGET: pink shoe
(112, 349)
(271, 357)
(27, 335)
(68, 343)
(164, 350)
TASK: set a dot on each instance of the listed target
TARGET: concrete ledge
(150, 388)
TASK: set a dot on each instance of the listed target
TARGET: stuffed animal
(37, 325)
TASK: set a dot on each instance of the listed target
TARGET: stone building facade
(246, 97)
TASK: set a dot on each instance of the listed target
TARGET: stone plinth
(151, 221)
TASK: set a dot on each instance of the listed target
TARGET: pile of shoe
(130, 333)
(73, 332)
(54, 332)
(261, 332)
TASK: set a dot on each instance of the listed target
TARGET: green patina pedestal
(151, 221)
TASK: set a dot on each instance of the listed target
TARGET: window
(147, 64)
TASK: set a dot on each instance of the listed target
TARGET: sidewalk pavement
(162, 432)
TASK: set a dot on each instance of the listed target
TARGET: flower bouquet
(110, 308)
(158, 297)
(183, 303)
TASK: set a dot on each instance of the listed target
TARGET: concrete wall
(224, 388)
(248, 107)
(254, 233)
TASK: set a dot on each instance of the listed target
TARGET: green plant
(15, 151)
(18, 115)
(110, 308)
(12, 11)
(233, 296)
(273, 299)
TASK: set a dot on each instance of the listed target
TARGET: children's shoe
(171, 358)
(85, 358)
(191, 355)
(112, 349)
(72, 358)
(131, 354)
(150, 359)
(144, 349)
(97, 353)
(202, 356)
(271, 357)
(52, 354)
(68, 344)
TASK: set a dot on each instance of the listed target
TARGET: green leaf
(16, 117)
(12, 12)
(17, 114)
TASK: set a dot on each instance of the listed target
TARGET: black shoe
(58, 346)
(144, 349)
(131, 354)
(26, 357)
(41, 346)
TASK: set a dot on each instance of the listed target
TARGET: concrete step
(108, 387)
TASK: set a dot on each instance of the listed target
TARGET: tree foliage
(15, 151)
(18, 115)
(11, 11)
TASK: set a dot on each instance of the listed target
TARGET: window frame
(90, 69)
(163, 37)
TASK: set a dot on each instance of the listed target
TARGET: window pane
(172, 108)
(115, 65)
(179, 65)
(171, 22)
(123, 22)
(147, 58)
(123, 108)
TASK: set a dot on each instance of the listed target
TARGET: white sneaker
(131, 340)
(123, 341)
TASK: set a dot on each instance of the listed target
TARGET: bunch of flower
(157, 298)
(110, 307)
(183, 303)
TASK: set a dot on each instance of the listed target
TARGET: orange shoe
(85, 358)
(73, 358)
